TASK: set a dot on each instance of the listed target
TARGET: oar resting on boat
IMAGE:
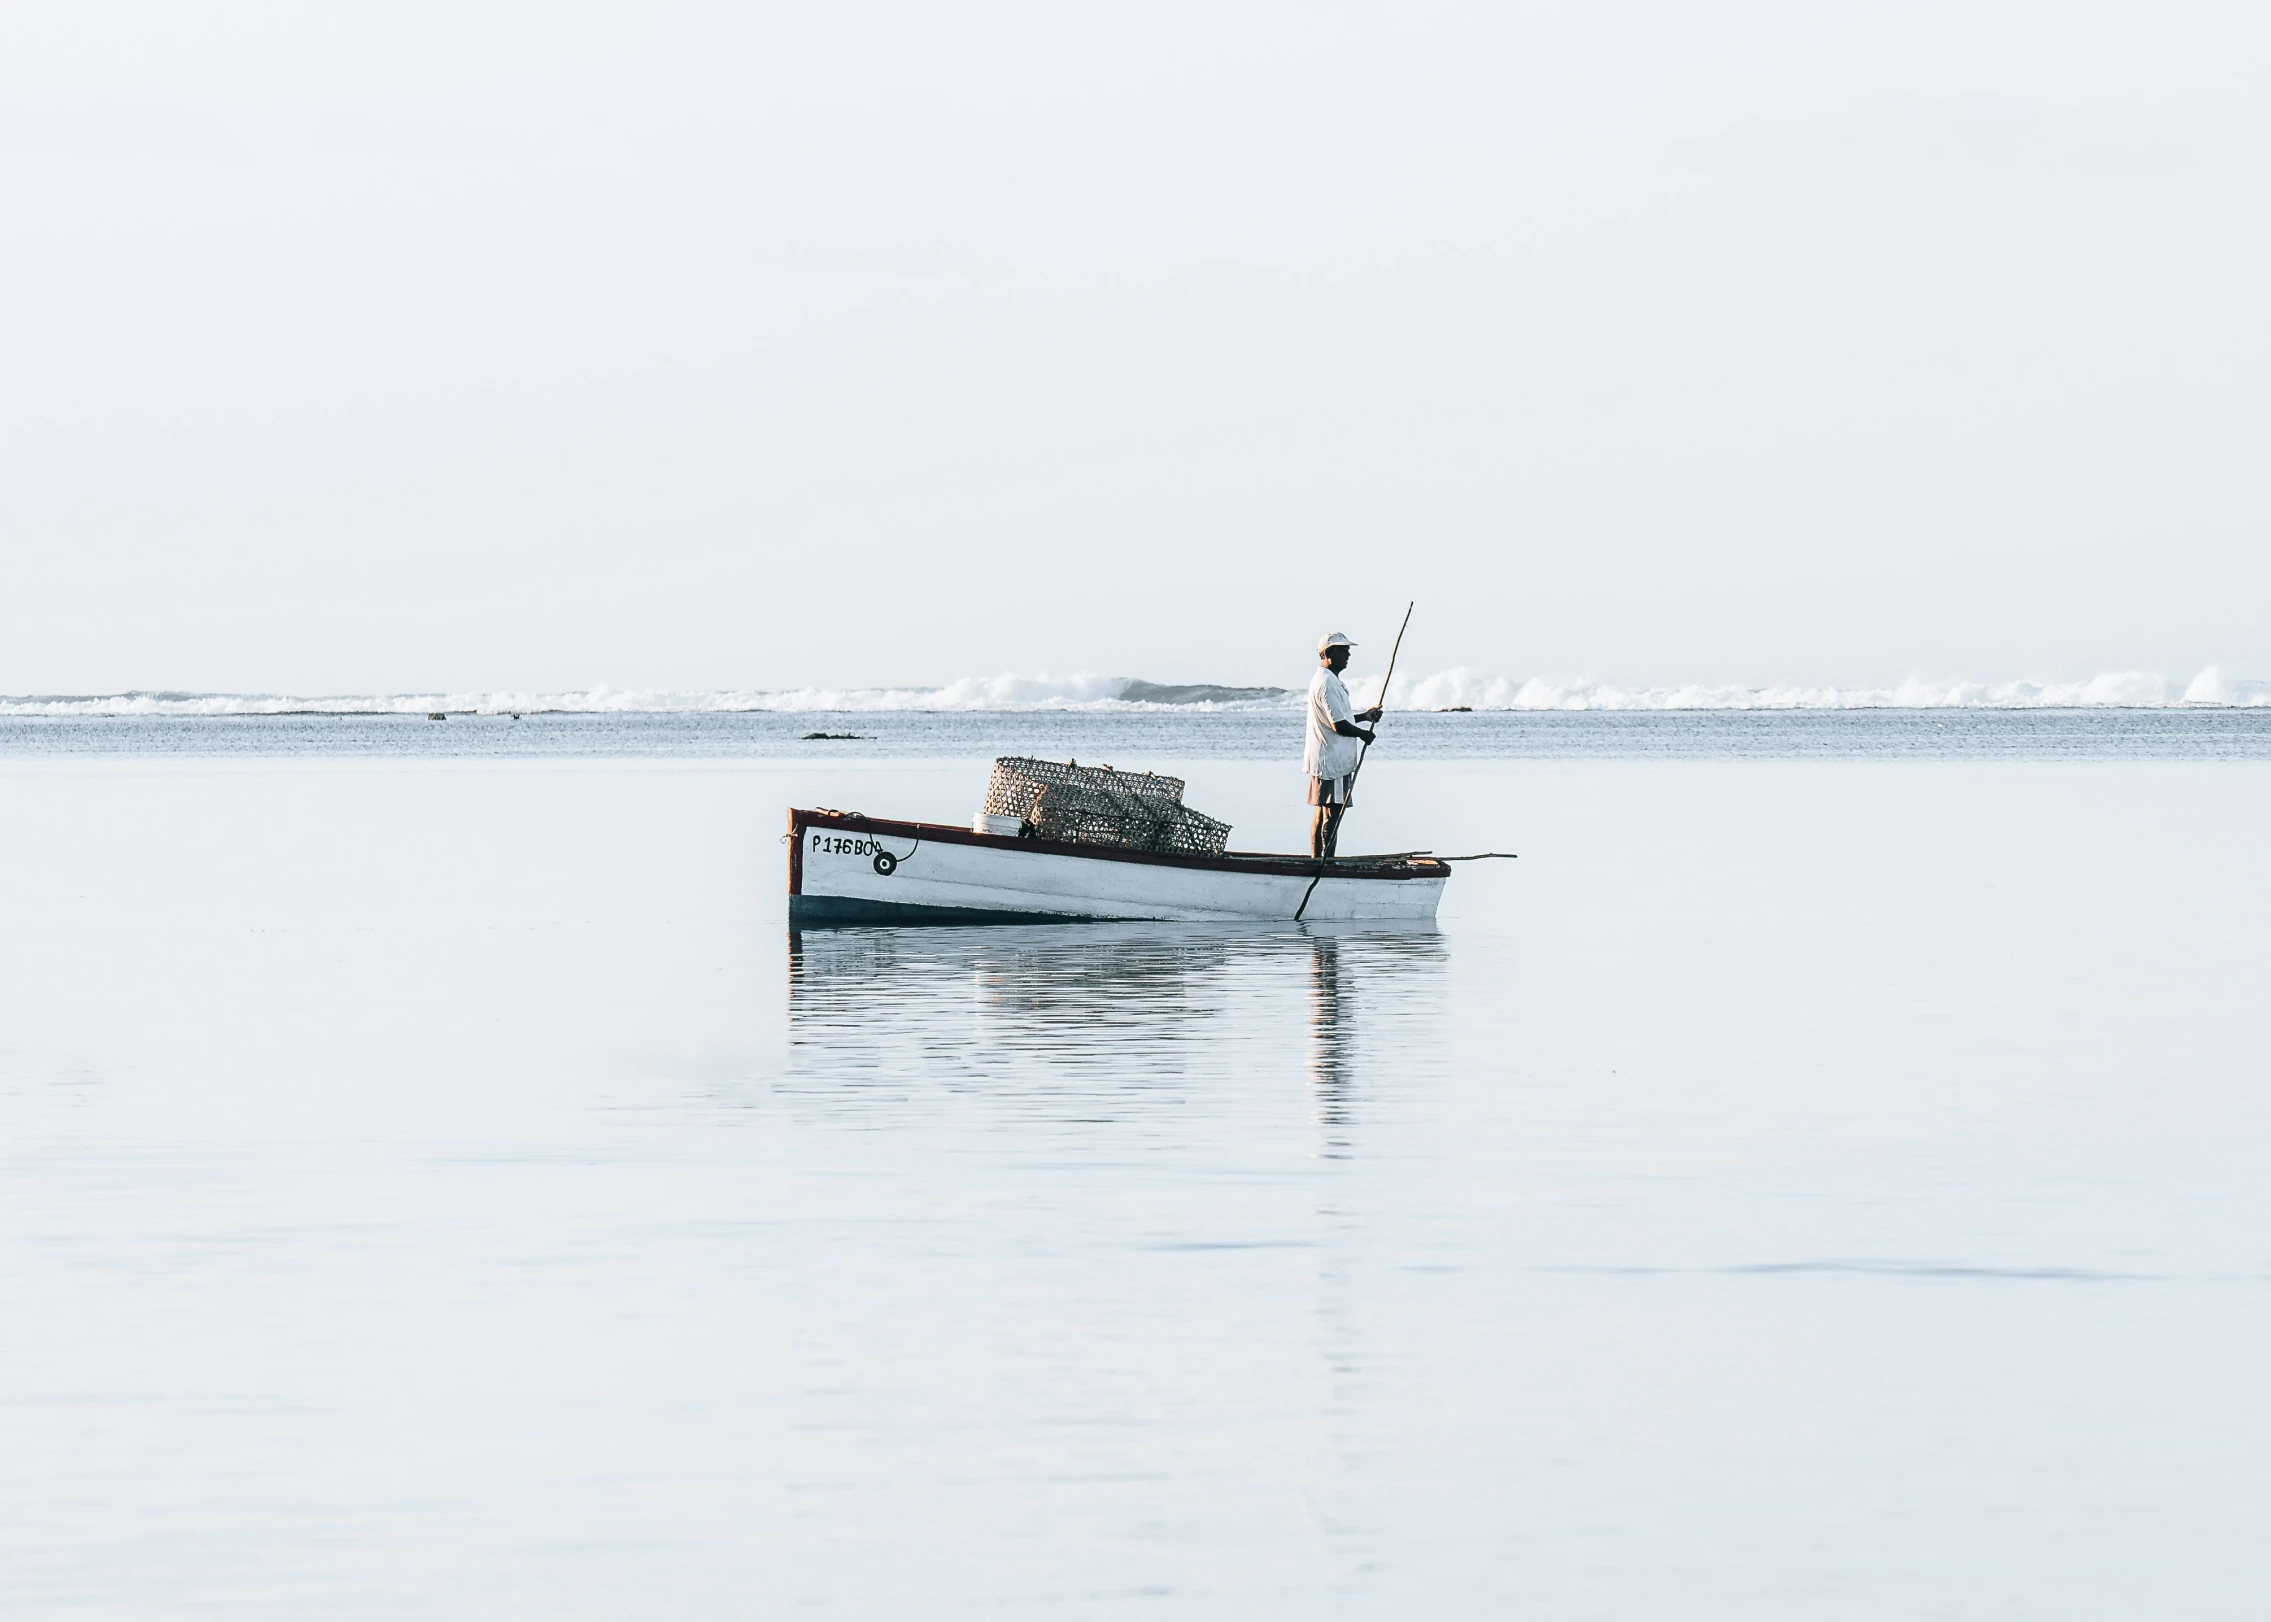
(1405, 855)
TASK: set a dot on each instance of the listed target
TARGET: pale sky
(397, 346)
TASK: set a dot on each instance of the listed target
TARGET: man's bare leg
(1325, 831)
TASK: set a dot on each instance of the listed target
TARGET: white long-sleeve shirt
(1329, 754)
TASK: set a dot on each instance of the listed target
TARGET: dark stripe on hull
(841, 912)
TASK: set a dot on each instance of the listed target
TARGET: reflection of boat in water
(1102, 1021)
(846, 868)
(1087, 979)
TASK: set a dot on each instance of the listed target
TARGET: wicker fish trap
(1095, 805)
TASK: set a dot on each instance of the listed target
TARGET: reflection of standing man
(1329, 1040)
(1334, 737)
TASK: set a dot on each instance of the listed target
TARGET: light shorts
(1331, 790)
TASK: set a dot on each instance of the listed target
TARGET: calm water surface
(1798, 1187)
(1952, 734)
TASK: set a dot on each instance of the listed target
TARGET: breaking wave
(1444, 690)
(972, 693)
(2126, 689)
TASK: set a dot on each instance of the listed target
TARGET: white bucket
(984, 824)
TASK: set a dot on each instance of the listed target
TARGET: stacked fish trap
(1095, 805)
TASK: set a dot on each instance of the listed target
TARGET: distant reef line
(1444, 690)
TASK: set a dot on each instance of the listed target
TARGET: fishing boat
(849, 868)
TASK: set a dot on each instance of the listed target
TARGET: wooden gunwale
(946, 833)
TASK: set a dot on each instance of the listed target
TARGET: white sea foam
(2121, 689)
(1447, 689)
(971, 693)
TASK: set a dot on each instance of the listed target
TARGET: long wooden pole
(1365, 747)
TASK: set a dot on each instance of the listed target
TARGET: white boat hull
(845, 868)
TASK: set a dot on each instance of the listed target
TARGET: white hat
(1334, 639)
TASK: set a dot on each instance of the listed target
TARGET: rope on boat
(885, 863)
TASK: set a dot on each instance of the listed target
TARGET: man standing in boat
(1334, 744)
